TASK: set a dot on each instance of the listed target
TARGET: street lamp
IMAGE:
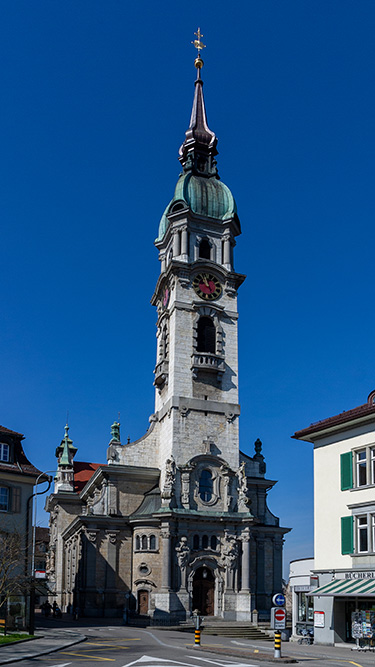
(32, 588)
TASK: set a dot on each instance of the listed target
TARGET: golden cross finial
(198, 42)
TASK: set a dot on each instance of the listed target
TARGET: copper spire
(199, 148)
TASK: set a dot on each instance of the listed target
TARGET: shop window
(205, 486)
(4, 452)
(206, 338)
(305, 607)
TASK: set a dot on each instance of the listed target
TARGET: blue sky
(96, 97)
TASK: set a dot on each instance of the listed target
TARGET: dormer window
(4, 452)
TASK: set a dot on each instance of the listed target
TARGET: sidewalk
(48, 641)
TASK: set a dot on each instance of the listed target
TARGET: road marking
(222, 662)
(89, 657)
(64, 664)
(354, 663)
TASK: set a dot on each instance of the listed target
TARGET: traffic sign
(278, 618)
(279, 600)
(279, 614)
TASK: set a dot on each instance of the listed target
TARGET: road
(127, 647)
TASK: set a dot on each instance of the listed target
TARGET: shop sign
(353, 574)
(303, 589)
(318, 619)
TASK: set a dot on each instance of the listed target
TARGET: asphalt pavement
(59, 635)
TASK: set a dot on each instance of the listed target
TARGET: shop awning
(346, 587)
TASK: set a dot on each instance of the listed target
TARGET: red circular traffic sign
(279, 614)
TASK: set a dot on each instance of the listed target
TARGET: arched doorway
(143, 603)
(204, 591)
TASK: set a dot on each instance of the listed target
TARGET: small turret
(112, 455)
(65, 452)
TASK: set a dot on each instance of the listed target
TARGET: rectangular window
(4, 452)
(362, 534)
(372, 464)
(347, 535)
(4, 499)
(361, 468)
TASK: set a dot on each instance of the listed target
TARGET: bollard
(277, 653)
(197, 637)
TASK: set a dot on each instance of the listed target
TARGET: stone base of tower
(237, 606)
(170, 607)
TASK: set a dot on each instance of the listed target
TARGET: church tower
(196, 373)
(180, 516)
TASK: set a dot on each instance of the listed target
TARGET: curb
(46, 651)
(238, 653)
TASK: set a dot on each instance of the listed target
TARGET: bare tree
(12, 562)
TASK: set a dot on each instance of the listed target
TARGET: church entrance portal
(204, 591)
(143, 603)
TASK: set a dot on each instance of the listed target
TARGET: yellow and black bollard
(197, 637)
(277, 653)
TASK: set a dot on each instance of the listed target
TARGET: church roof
(83, 471)
(149, 505)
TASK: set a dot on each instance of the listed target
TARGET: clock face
(207, 286)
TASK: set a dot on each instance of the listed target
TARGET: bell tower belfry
(196, 372)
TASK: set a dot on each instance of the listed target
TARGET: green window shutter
(346, 535)
(346, 471)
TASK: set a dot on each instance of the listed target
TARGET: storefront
(344, 609)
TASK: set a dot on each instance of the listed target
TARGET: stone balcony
(209, 363)
(161, 373)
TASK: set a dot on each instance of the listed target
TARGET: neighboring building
(344, 519)
(17, 479)
(177, 520)
(301, 582)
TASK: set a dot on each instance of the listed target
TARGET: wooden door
(143, 603)
(204, 592)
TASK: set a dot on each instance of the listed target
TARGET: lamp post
(32, 587)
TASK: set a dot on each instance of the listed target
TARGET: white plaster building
(344, 518)
(177, 520)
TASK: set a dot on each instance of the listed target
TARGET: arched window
(144, 542)
(206, 339)
(196, 542)
(204, 249)
(205, 486)
(213, 542)
(204, 541)
(137, 543)
(152, 542)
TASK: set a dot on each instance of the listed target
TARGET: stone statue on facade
(183, 552)
(242, 488)
(169, 481)
(229, 551)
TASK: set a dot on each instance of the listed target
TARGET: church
(177, 520)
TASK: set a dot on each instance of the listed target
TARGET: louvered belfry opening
(206, 341)
(204, 249)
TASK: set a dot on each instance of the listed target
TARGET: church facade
(177, 520)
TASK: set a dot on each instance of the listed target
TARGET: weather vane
(199, 46)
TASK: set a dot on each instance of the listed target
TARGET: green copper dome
(204, 196)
